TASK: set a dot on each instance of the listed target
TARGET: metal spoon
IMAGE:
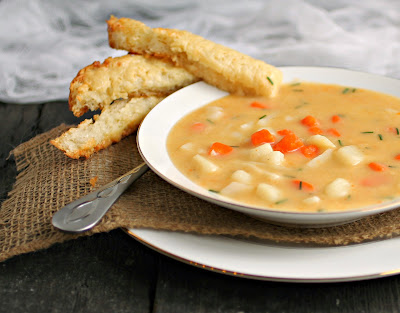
(86, 212)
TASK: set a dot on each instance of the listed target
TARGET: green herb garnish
(210, 121)
(262, 116)
(270, 80)
(281, 201)
(295, 84)
(297, 90)
(300, 185)
(397, 131)
(301, 105)
(347, 90)
(367, 132)
(380, 137)
(340, 142)
(212, 190)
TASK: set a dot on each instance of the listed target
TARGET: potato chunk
(241, 177)
(268, 192)
(235, 188)
(349, 155)
(311, 200)
(275, 158)
(205, 166)
(339, 188)
(260, 152)
(321, 142)
(214, 113)
(187, 147)
(323, 157)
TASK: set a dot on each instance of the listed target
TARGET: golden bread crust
(98, 84)
(115, 122)
(218, 65)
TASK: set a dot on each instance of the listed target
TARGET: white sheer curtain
(44, 43)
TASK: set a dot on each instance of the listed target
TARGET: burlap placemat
(48, 180)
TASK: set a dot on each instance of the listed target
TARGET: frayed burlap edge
(48, 180)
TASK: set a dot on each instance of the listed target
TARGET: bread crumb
(93, 181)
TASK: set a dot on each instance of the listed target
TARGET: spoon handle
(84, 213)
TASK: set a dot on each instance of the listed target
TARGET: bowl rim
(227, 202)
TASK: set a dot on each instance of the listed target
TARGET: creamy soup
(312, 148)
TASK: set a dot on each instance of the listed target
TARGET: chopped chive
(301, 105)
(321, 210)
(212, 190)
(270, 80)
(262, 116)
(234, 146)
(345, 90)
(295, 84)
(397, 131)
(340, 142)
(289, 176)
(392, 166)
(300, 185)
(380, 137)
(297, 90)
(281, 201)
(367, 132)
(210, 121)
(354, 90)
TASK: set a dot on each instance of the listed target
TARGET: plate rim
(143, 239)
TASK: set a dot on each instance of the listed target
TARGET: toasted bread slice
(98, 84)
(218, 65)
(116, 121)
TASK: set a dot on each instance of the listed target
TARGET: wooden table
(114, 273)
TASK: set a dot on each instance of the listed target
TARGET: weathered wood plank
(103, 273)
(184, 288)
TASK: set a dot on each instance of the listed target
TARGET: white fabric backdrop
(44, 43)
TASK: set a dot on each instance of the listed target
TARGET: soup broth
(312, 148)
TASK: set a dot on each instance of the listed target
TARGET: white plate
(154, 130)
(277, 262)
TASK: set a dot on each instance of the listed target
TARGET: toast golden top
(98, 84)
(218, 65)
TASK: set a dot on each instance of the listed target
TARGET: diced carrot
(310, 121)
(335, 119)
(262, 136)
(334, 132)
(284, 132)
(260, 105)
(377, 167)
(218, 148)
(315, 130)
(198, 127)
(397, 157)
(394, 130)
(289, 143)
(375, 180)
(302, 185)
(309, 151)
